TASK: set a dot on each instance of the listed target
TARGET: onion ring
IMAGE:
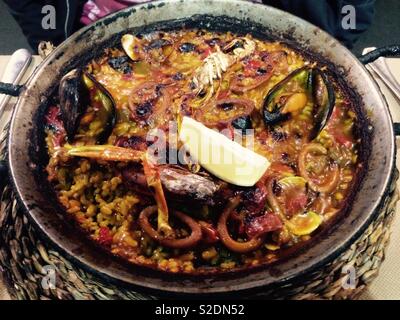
(237, 87)
(246, 103)
(188, 242)
(271, 61)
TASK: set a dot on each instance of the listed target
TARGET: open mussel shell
(105, 115)
(74, 99)
(78, 91)
(281, 101)
(272, 108)
(324, 101)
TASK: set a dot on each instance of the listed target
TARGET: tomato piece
(263, 224)
(254, 198)
(53, 118)
(53, 121)
(206, 53)
(223, 94)
(335, 117)
(295, 203)
(254, 64)
(342, 139)
(105, 237)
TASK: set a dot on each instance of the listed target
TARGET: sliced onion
(147, 93)
(238, 87)
(246, 103)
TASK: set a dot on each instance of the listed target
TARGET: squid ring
(240, 247)
(190, 241)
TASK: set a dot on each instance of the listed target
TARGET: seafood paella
(130, 136)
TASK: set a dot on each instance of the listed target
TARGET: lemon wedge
(224, 158)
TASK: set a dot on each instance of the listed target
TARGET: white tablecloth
(387, 285)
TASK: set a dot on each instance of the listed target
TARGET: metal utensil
(14, 71)
(381, 68)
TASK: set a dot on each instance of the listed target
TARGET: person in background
(74, 14)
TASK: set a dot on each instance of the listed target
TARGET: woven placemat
(26, 260)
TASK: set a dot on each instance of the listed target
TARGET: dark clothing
(28, 14)
(324, 13)
(327, 15)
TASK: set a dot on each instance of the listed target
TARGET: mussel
(85, 103)
(294, 92)
(324, 101)
(242, 123)
(74, 99)
(120, 64)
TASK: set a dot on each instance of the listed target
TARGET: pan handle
(10, 89)
(15, 68)
(3, 173)
(396, 128)
(388, 51)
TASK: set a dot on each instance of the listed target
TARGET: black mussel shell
(107, 113)
(120, 64)
(272, 118)
(74, 93)
(317, 87)
(74, 99)
(187, 47)
(242, 123)
(272, 111)
(324, 101)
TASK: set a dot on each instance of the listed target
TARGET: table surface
(387, 284)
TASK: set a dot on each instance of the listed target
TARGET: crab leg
(154, 183)
(105, 152)
(113, 153)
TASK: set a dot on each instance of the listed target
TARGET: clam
(292, 94)
(85, 104)
(132, 47)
